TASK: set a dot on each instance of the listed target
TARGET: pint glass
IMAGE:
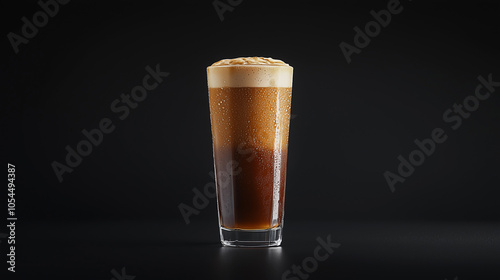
(250, 100)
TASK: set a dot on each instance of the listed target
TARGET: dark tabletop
(163, 250)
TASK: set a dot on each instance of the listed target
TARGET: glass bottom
(250, 238)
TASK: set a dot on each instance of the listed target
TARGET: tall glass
(250, 100)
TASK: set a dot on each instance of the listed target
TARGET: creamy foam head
(249, 72)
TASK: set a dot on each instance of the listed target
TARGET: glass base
(250, 238)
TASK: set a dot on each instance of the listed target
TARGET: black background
(351, 121)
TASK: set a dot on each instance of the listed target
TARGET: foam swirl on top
(249, 72)
(250, 61)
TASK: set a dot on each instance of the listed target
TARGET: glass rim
(249, 65)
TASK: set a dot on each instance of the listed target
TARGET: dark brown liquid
(250, 134)
(249, 195)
